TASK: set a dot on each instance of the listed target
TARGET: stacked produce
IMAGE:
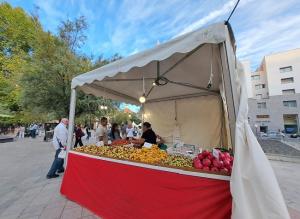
(204, 161)
(178, 161)
(220, 163)
(151, 155)
(107, 151)
(120, 142)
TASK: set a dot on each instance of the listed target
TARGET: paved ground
(24, 190)
(293, 142)
(288, 176)
(26, 193)
(279, 148)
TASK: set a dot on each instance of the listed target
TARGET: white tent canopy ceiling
(188, 67)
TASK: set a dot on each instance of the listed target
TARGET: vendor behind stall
(148, 135)
(103, 132)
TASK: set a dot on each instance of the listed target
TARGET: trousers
(57, 164)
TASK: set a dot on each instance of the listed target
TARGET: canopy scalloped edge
(183, 44)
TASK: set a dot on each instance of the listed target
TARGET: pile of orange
(151, 155)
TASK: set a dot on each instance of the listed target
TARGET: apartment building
(274, 93)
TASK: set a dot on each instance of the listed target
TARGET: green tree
(17, 43)
(72, 32)
(47, 85)
(36, 68)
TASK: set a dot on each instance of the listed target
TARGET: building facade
(274, 96)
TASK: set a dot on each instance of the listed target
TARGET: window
(290, 103)
(287, 80)
(255, 77)
(258, 96)
(288, 91)
(262, 116)
(260, 86)
(286, 69)
(262, 105)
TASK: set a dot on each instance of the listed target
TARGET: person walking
(22, 132)
(88, 132)
(33, 127)
(17, 131)
(78, 135)
(59, 142)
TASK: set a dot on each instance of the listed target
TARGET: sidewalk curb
(283, 158)
(291, 144)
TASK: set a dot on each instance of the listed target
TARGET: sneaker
(60, 171)
(54, 176)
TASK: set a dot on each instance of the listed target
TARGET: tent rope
(227, 21)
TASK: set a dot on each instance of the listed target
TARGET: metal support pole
(71, 120)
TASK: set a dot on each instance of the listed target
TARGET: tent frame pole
(71, 120)
(227, 59)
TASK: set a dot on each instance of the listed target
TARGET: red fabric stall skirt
(120, 189)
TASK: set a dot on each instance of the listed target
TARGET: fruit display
(178, 161)
(120, 142)
(151, 155)
(222, 163)
(107, 151)
(204, 161)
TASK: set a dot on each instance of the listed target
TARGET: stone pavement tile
(40, 201)
(51, 187)
(56, 204)
(57, 197)
(33, 191)
(294, 214)
(52, 213)
(91, 217)
(71, 213)
(32, 211)
(11, 216)
(86, 212)
(71, 204)
(27, 183)
(29, 217)
(14, 209)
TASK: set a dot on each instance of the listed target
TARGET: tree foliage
(17, 42)
(36, 68)
(72, 32)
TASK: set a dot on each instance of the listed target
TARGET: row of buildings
(274, 93)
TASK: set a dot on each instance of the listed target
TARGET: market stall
(191, 90)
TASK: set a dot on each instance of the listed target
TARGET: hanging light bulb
(153, 83)
(142, 99)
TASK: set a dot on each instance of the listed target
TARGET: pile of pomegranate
(222, 163)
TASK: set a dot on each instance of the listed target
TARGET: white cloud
(125, 27)
(273, 31)
(210, 17)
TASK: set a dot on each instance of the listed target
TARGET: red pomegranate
(206, 162)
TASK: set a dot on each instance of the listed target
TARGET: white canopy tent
(199, 97)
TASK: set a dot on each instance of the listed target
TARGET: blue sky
(128, 26)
